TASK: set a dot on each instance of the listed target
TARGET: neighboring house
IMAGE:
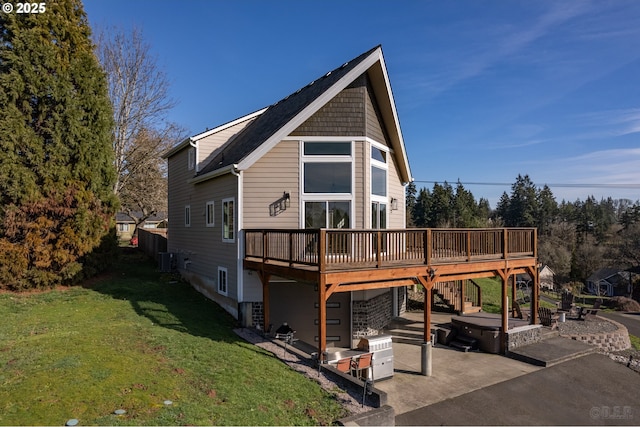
(609, 282)
(547, 277)
(258, 206)
(126, 226)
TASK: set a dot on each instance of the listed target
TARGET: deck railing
(348, 248)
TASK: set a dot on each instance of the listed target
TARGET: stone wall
(371, 316)
(524, 335)
(606, 341)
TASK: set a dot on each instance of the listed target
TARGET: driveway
(590, 390)
(630, 320)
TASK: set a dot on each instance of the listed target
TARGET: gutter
(218, 172)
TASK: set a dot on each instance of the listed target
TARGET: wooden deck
(341, 260)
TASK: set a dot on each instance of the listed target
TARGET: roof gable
(283, 117)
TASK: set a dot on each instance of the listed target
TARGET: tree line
(574, 238)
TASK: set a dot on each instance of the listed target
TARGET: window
(123, 227)
(228, 220)
(210, 214)
(222, 280)
(327, 177)
(378, 171)
(378, 215)
(378, 181)
(327, 167)
(327, 214)
(191, 162)
(187, 216)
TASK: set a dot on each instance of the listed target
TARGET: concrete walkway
(454, 372)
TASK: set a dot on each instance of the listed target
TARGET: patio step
(551, 351)
(464, 343)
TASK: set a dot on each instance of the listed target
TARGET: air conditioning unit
(166, 262)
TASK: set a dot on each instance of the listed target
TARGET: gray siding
(207, 146)
(200, 249)
(264, 182)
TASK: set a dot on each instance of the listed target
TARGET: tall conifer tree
(56, 160)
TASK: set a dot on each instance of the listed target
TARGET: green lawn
(133, 341)
(492, 295)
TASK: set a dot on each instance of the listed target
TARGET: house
(126, 226)
(610, 282)
(546, 278)
(269, 210)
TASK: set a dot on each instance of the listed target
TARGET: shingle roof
(277, 116)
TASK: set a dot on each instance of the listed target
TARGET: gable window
(191, 161)
(222, 280)
(187, 216)
(210, 214)
(228, 220)
(327, 167)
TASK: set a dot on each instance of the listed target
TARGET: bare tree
(138, 90)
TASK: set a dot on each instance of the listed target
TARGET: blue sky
(485, 90)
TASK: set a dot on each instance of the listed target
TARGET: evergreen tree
(56, 161)
(410, 201)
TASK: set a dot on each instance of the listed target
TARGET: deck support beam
(264, 279)
(322, 319)
(504, 275)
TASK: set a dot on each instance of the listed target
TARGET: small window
(228, 220)
(210, 214)
(378, 154)
(222, 280)
(187, 216)
(192, 159)
(123, 227)
(327, 148)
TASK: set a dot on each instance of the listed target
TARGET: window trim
(211, 204)
(333, 158)
(223, 272)
(232, 239)
(327, 197)
(187, 215)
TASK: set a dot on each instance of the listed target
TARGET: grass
(635, 342)
(492, 295)
(133, 340)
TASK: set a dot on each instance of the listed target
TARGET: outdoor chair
(589, 313)
(362, 363)
(567, 301)
(547, 317)
(344, 365)
(519, 313)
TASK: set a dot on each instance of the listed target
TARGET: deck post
(322, 318)
(426, 352)
(535, 294)
(513, 295)
(322, 250)
(264, 278)
(505, 311)
(462, 296)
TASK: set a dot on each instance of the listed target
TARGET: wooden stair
(449, 294)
